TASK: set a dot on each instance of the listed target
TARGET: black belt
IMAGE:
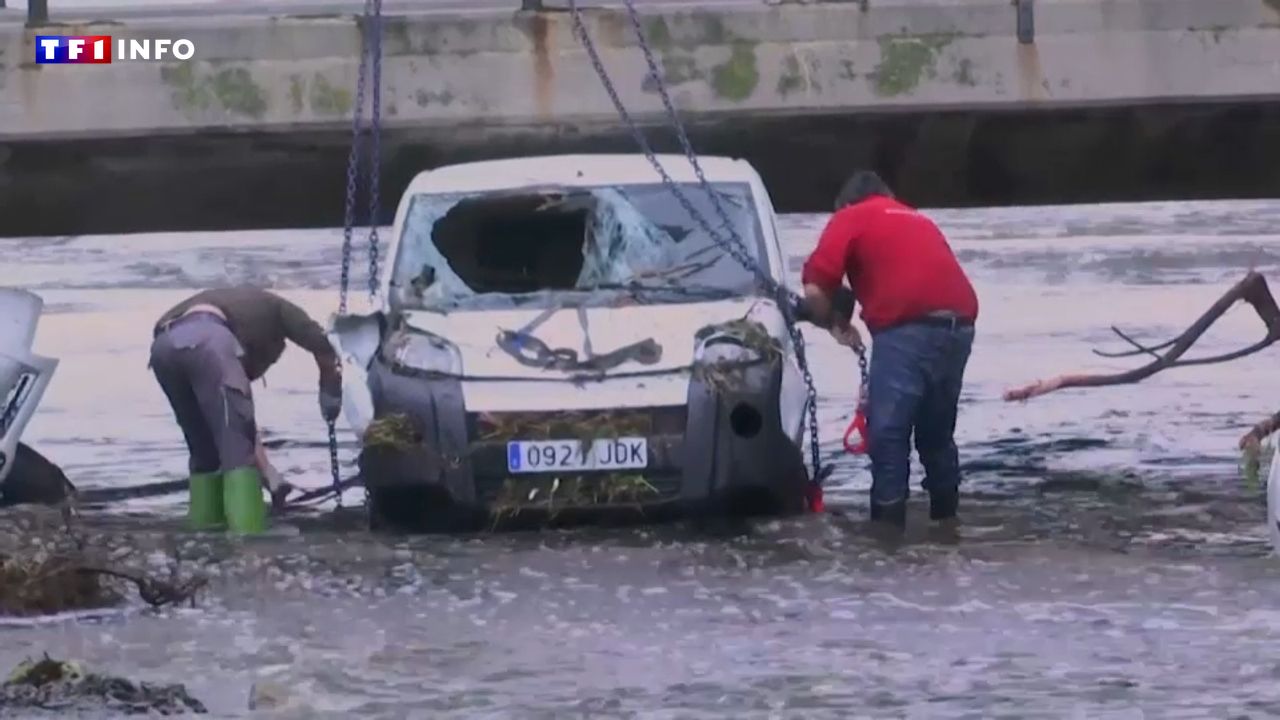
(951, 322)
(167, 324)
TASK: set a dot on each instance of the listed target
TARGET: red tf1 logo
(97, 49)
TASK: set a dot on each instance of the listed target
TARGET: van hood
(471, 348)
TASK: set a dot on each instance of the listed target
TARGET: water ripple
(1111, 563)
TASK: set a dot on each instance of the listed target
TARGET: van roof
(572, 170)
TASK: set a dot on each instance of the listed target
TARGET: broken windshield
(519, 247)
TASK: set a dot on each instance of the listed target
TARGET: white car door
(23, 376)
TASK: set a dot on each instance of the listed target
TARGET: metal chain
(353, 164)
(866, 378)
(334, 469)
(374, 45)
(734, 246)
(373, 18)
(371, 47)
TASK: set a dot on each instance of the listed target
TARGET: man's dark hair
(861, 185)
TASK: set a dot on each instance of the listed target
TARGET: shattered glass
(637, 240)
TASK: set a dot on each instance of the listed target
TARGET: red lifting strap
(815, 498)
(858, 425)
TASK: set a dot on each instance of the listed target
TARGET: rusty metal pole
(1026, 10)
(37, 12)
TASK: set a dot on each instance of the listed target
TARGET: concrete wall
(506, 68)
(1116, 100)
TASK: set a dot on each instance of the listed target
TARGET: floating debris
(266, 695)
(577, 425)
(727, 375)
(721, 376)
(64, 687)
(557, 494)
(751, 333)
(1256, 462)
(395, 432)
(51, 567)
(47, 585)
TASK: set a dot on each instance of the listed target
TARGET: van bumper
(723, 450)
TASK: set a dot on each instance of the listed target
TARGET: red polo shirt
(897, 261)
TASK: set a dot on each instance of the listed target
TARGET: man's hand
(330, 386)
(271, 477)
(330, 404)
(817, 306)
(800, 309)
(1251, 442)
(842, 304)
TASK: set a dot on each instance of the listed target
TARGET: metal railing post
(37, 12)
(1026, 10)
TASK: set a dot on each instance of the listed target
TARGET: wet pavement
(1112, 562)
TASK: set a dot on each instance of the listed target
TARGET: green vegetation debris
(394, 432)
(720, 377)
(583, 426)
(43, 671)
(46, 585)
(62, 686)
(751, 334)
(554, 495)
(1255, 463)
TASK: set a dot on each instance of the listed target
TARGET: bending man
(920, 309)
(206, 352)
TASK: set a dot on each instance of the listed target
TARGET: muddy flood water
(1112, 562)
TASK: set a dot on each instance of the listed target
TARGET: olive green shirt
(261, 322)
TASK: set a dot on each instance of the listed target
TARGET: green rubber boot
(204, 504)
(242, 496)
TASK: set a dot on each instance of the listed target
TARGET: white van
(557, 334)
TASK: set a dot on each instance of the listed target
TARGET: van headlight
(726, 349)
(424, 352)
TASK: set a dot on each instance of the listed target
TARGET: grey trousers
(196, 360)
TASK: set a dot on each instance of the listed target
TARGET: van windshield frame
(676, 260)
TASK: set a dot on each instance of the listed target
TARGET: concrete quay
(472, 79)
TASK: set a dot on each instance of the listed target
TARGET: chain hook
(859, 422)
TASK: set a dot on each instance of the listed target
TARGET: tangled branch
(63, 575)
(154, 592)
(1252, 289)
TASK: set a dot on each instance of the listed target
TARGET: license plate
(540, 456)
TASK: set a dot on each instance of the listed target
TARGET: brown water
(1112, 563)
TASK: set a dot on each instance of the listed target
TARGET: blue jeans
(915, 378)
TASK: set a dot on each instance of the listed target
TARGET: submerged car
(559, 334)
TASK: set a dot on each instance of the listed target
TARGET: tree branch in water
(153, 591)
(1252, 289)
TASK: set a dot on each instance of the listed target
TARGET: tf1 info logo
(97, 49)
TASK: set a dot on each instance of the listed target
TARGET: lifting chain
(370, 68)
(733, 245)
(859, 422)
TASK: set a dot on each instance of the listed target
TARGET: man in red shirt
(920, 309)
